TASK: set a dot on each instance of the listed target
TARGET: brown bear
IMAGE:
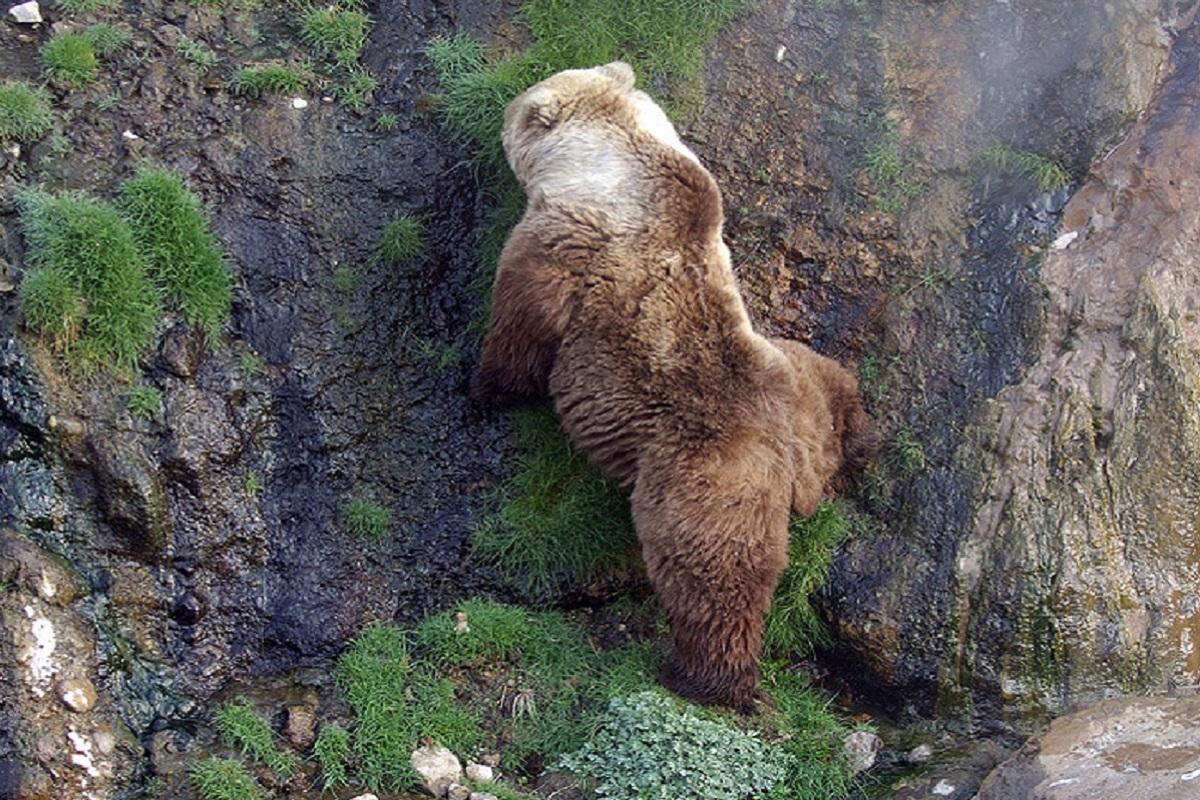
(614, 295)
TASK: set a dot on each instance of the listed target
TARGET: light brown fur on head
(614, 294)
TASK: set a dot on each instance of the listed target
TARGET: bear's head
(831, 408)
(582, 121)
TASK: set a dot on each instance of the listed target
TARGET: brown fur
(614, 294)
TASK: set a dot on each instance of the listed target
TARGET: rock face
(1147, 749)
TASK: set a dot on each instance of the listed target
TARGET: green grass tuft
(24, 112)
(91, 252)
(240, 726)
(906, 455)
(107, 38)
(80, 6)
(386, 123)
(366, 519)
(335, 32)
(183, 255)
(269, 79)
(402, 239)
(1048, 174)
(252, 484)
(332, 749)
(811, 734)
(195, 52)
(559, 518)
(69, 59)
(355, 88)
(793, 627)
(223, 779)
(144, 401)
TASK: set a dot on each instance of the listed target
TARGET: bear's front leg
(714, 538)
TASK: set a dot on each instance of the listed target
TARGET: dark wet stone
(131, 494)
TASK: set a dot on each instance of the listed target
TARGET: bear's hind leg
(715, 542)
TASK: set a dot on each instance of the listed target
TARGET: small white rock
(944, 788)
(1064, 241)
(299, 102)
(27, 13)
(14, 150)
(480, 772)
(367, 796)
(129, 135)
(860, 748)
(77, 694)
(780, 52)
(438, 768)
(920, 754)
(482, 796)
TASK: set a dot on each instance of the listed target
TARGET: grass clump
(240, 726)
(69, 59)
(810, 735)
(195, 52)
(223, 779)
(107, 38)
(559, 518)
(183, 255)
(1048, 174)
(906, 455)
(268, 79)
(253, 484)
(366, 519)
(337, 32)
(386, 123)
(402, 239)
(144, 401)
(88, 290)
(24, 112)
(355, 88)
(80, 6)
(332, 749)
(648, 747)
(792, 626)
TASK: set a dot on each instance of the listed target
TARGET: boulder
(438, 769)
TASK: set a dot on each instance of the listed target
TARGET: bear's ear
(542, 108)
(620, 72)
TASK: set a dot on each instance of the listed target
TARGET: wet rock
(1114, 750)
(480, 772)
(77, 694)
(860, 748)
(131, 494)
(953, 775)
(437, 767)
(26, 13)
(301, 725)
(182, 348)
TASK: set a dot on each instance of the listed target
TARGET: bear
(615, 296)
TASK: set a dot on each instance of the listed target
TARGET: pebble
(65, 426)
(27, 13)
(480, 772)
(77, 694)
(482, 796)
(299, 102)
(1064, 241)
(301, 726)
(367, 796)
(129, 135)
(861, 748)
(920, 754)
(780, 52)
(458, 792)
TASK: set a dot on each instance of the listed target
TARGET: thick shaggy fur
(614, 294)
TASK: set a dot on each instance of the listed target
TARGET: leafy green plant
(332, 749)
(240, 726)
(24, 112)
(366, 519)
(793, 626)
(88, 290)
(401, 240)
(223, 779)
(183, 255)
(144, 401)
(252, 484)
(650, 748)
(107, 38)
(336, 32)
(1048, 174)
(195, 52)
(268, 79)
(558, 517)
(70, 60)
(355, 87)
